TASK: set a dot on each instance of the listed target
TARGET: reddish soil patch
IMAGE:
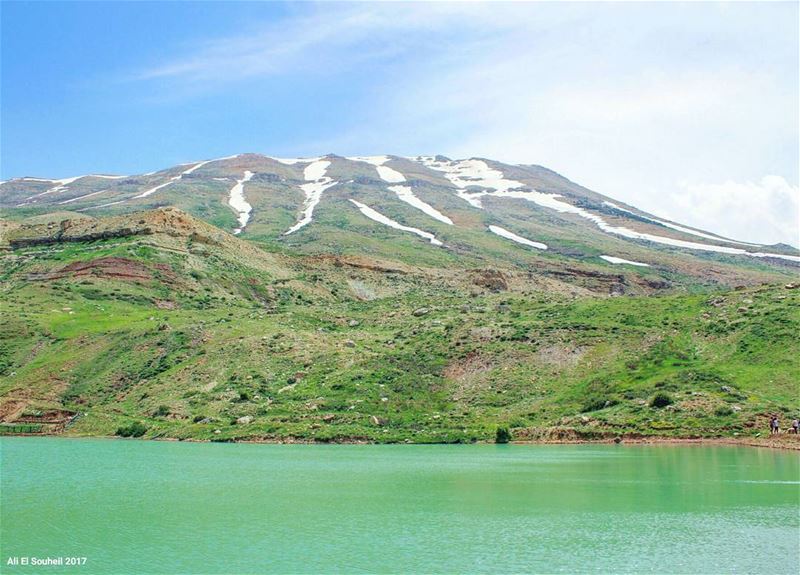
(11, 409)
(473, 363)
(561, 355)
(468, 374)
(491, 279)
(56, 416)
(109, 267)
(360, 262)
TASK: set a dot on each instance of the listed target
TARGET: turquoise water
(152, 507)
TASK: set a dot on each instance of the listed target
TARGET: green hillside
(162, 324)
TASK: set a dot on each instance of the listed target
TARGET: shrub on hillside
(599, 394)
(660, 400)
(596, 402)
(162, 411)
(135, 429)
(502, 435)
(723, 411)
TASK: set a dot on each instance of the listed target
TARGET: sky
(686, 110)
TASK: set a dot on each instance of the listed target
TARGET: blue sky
(687, 110)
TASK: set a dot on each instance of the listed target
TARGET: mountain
(423, 210)
(380, 299)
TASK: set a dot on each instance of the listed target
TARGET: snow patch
(68, 181)
(615, 260)
(172, 180)
(679, 228)
(152, 191)
(386, 174)
(466, 173)
(238, 202)
(319, 182)
(315, 170)
(63, 184)
(515, 238)
(380, 218)
(199, 165)
(551, 201)
(101, 206)
(389, 175)
(292, 161)
(84, 196)
(404, 193)
(374, 160)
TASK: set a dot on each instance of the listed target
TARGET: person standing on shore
(796, 426)
(773, 425)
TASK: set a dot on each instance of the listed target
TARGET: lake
(160, 507)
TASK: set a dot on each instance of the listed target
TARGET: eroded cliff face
(167, 221)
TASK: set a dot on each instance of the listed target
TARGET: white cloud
(611, 112)
(766, 211)
(626, 99)
(319, 39)
(633, 139)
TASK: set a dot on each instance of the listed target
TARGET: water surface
(152, 507)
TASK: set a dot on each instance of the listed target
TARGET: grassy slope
(243, 342)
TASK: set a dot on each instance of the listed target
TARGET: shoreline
(790, 444)
(785, 442)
